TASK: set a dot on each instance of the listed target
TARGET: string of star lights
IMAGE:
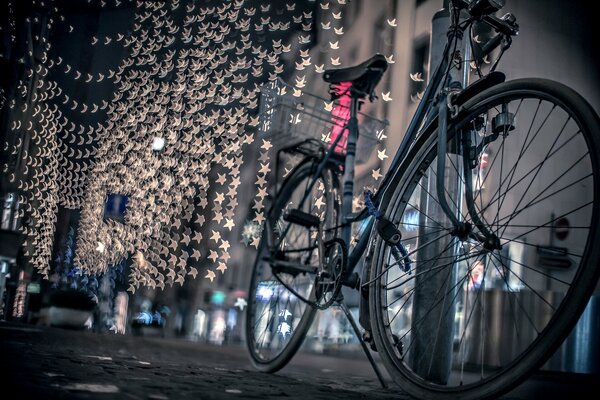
(171, 136)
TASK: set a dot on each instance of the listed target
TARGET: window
(377, 43)
(115, 207)
(10, 220)
(418, 74)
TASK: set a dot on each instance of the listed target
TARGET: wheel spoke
(415, 323)
(433, 269)
(513, 239)
(448, 195)
(534, 169)
(541, 165)
(522, 308)
(526, 146)
(423, 213)
(537, 200)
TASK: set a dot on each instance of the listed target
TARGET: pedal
(367, 337)
(298, 217)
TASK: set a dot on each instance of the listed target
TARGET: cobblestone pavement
(53, 363)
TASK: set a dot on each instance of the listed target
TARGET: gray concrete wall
(556, 41)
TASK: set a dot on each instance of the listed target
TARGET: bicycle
(462, 292)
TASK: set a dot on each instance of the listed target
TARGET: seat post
(348, 183)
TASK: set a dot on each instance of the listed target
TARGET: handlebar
(482, 10)
(506, 25)
(491, 45)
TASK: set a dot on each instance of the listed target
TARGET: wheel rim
(489, 306)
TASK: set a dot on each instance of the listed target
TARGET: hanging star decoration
(181, 107)
(240, 303)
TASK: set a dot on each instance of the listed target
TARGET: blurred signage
(554, 257)
(33, 288)
(410, 220)
(115, 207)
(121, 304)
(217, 297)
(561, 228)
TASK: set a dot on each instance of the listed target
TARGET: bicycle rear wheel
(282, 286)
(473, 318)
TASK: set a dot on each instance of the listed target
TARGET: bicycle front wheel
(484, 305)
(282, 286)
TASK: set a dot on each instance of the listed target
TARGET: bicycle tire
(266, 354)
(494, 364)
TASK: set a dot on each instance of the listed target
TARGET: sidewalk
(53, 363)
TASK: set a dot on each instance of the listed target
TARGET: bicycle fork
(462, 141)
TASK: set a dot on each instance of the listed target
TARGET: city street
(180, 176)
(53, 363)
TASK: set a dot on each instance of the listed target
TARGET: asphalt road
(53, 363)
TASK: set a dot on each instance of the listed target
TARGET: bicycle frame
(425, 108)
(426, 114)
(417, 313)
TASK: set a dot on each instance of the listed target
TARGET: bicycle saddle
(364, 77)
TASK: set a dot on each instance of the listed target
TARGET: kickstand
(344, 307)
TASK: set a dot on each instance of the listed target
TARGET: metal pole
(433, 314)
(466, 60)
